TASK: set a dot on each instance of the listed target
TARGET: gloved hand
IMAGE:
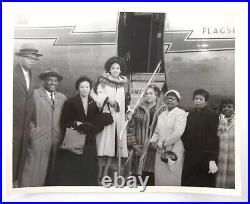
(77, 151)
(111, 101)
(129, 115)
(153, 145)
(116, 106)
(86, 128)
(212, 167)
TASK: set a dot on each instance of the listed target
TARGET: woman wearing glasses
(226, 134)
(167, 138)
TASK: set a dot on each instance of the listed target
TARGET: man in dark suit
(22, 108)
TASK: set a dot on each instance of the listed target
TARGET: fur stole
(107, 79)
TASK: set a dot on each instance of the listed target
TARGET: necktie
(52, 99)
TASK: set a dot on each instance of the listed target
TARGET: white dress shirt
(49, 95)
(27, 78)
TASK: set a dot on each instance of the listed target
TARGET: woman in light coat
(114, 86)
(45, 132)
(167, 137)
(226, 133)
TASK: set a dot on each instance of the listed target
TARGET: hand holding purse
(105, 118)
(86, 128)
(168, 156)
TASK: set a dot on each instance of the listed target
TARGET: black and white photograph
(131, 99)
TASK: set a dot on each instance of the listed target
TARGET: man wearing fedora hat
(45, 131)
(22, 100)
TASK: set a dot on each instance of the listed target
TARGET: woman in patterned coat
(226, 134)
(141, 129)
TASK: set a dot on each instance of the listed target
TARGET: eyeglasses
(171, 98)
(32, 58)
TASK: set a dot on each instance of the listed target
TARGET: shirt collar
(25, 71)
(49, 94)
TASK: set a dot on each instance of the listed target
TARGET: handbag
(168, 156)
(73, 141)
(106, 118)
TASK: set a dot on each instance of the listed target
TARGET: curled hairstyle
(114, 60)
(226, 100)
(155, 88)
(202, 92)
(82, 79)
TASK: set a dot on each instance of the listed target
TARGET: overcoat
(22, 110)
(44, 138)
(201, 145)
(226, 159)
(107, 139)
(79, 169)
(169, 128)
(139, 133)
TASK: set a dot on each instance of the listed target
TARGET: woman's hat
(114, 60)
(27, 49)
(50, 72)
(175, 93)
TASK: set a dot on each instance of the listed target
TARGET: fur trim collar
(108, 79)
(159, 105)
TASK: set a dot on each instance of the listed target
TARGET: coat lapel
(19, 73)
(91, 106)
(44, 95)
(79, 106)
(57, 99)
(231, 124)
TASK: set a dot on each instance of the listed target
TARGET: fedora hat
(50, 72)
(27, 49)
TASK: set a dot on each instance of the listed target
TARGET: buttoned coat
(106, 140)
(170, 127)
(139, 133)
(79, 169)
(45, 135)
(226, 158)
(22, 109)
(201, 145)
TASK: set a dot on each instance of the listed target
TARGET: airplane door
(140, 42)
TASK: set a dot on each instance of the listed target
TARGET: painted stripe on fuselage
(180, 42)
(66, 36)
